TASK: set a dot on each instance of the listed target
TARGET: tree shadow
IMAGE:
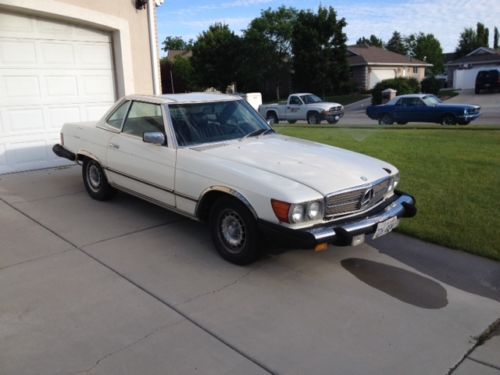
(404, 285)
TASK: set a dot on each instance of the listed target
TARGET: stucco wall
(139, 34)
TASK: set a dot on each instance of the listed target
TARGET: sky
(446, 19)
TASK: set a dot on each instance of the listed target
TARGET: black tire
(272, 118)
(292, 121)
(234, 231)
(386, 119)
(95, 181)
(449, 119)
(313, 118)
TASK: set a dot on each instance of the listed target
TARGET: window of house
(415, 70)
(142, 118)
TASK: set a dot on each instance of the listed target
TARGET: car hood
(325, 105)
(323, 168)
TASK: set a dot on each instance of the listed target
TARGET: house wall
(129, 28)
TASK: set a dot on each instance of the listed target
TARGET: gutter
(153, 45)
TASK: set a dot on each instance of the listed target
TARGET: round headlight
(314, 210)
(297, 213)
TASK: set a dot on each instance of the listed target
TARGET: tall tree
(319, 49)
(270, 35)
(216, 57)
(428, 48)
(371, 41)
(396, 44)
(495, 38)
(471, 39)
(176, 43)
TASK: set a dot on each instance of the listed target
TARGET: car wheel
(234, 231)
(386, 120)
(313, 118)
(292, 121)
(448, 119)
(95, 181)
(272, 118)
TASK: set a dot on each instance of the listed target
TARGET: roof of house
(478, 56)
(173, 53)
(363, 54)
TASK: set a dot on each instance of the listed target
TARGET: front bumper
(342, 232)
(469, 117)
(332, 116)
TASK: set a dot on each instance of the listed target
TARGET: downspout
(153, 47)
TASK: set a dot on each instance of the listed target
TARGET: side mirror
(156, 138)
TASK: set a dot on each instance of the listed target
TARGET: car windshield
(200, 123)
(431, 100)
(311, 99)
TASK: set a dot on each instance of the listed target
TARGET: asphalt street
(125, 287)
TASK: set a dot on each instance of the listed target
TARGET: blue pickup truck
(422, 108)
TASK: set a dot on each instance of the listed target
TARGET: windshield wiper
(255, 133)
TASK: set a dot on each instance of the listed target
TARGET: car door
(407, 110)
(293, 108)
(143, 168)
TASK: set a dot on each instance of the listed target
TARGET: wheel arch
(211, 194)
(273, 112)
(82, 154)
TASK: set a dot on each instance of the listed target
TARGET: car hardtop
(189, 98)
(394, 100)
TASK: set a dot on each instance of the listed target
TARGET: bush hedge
(401, 85)
(431, 85)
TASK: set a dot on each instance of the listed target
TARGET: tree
(428, 49)
(176, 43)
(396, 44)
(216, 57)
(495, 38)
(471, 39)
(372, 41)
(270, 35)
(319, 49)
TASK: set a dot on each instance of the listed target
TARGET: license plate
(385, 227)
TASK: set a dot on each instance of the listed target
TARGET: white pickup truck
(302, 106)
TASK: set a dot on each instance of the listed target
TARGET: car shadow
(406, 286)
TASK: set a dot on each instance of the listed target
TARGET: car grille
(356, 200)
(336, 109)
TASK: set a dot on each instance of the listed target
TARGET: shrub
(401, 85)
(431, 85)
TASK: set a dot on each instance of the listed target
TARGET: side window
(295, 100)
(116, 118)
(142, 118)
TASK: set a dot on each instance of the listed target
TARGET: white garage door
(50, 73)
(377, 75)
(466, 78)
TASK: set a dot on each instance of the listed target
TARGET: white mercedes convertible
(213, 158)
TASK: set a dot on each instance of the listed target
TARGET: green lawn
(454, 175)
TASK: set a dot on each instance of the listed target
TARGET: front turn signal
(281, 210)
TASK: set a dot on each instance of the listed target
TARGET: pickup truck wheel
(272, 118)
(95, 181)
(234, 231)
(448, 119)
(313, 118)
(386, 120)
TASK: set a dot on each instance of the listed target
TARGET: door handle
(114, 145)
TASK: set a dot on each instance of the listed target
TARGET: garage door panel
(57, 53)
(15, 52)
(51, 72)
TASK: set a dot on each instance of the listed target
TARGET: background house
(462, 72)
(370, 65)
(64, 61)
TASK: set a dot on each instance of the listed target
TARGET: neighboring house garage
(50, 73)
(66, 61)
(462, 72)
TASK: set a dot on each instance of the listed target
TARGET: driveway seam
(37, 258)
(151, 294)
(483, 363)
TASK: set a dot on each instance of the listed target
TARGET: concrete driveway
(124, 287)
